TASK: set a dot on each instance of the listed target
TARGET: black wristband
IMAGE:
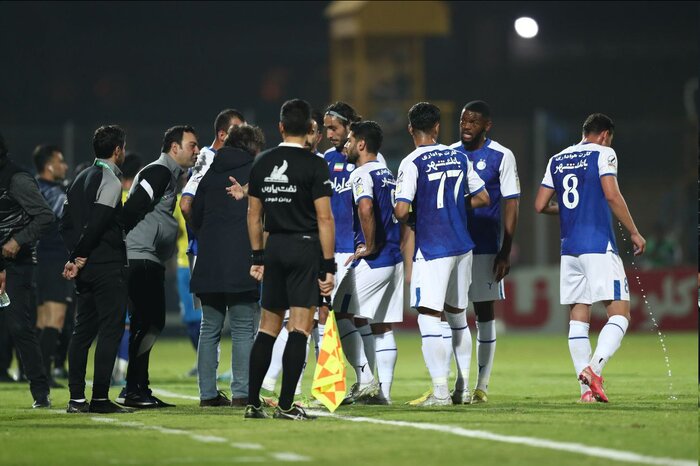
(328, 266)
(258, 257)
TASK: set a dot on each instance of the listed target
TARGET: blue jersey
(435, 180)
(341, 201)
(584, 213)
(375, 181)
(495, 165)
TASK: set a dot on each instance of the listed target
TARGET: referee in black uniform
(291, 189)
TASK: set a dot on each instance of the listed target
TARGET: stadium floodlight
(526, 27)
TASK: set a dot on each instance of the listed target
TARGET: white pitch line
(279, 456)
(578, 448)
(158, 391)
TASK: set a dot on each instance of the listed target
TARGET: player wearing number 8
(584, 179)
(435, 180)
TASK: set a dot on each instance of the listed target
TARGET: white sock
(447, 343)
(368, 343)
(317, 345)
(434, 353)
(321, 331)
(297, 391)
(386, 361)
(579, 347)
(462, 347)
(273, 372)
(609, 341)
(485, 349)
(354, 350)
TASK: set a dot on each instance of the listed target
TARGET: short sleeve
(321, 184)
(474, 181)
(547, 181)
(607, 163)
(508, 176)
(362, 185)
(407, 181)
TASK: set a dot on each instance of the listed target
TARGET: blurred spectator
(53, 293)
(663, 248)
(221, 276)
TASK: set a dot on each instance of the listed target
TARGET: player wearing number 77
(436, 180)
(584, 179)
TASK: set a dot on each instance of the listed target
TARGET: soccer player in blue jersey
(358, 343)
(584, 179)
(373, 287)
(435, 181)
(495, 165)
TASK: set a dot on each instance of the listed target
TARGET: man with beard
(495, 165)
(373, 287)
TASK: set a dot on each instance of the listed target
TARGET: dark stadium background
(66, 68)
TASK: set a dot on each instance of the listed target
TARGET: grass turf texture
(533, 393)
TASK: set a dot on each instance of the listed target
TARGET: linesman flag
(329, 377)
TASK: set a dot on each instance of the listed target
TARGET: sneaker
(420, 399)
(42, 402)
(106, 407)
(304, 401)
(225, 377)
(192, 372)
(159, 403)
(461, 397)
(251, 412)
(268, 398)
(77, 407)
(587, 397)
(358, 393)
(139, 399)
(432, 400)
(295, 413)
(219, 400)
(594, 382)
(60, 373)
(239, 402)
(479, 396)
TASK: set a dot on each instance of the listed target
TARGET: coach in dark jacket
(221, 276)
(24, 216)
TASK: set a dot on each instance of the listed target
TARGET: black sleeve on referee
(321, 182)
(153, 181)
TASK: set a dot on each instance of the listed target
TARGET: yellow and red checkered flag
(329, 377)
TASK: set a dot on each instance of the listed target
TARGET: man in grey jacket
(151, 240)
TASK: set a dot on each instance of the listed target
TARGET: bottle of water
(4, 300)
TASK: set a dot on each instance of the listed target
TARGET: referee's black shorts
(50, 285)
(292, 264)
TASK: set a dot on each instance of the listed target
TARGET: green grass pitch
(533, 394)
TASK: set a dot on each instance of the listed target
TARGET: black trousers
(147, 316)
(18, 318)
(100, 312)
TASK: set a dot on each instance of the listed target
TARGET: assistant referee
(292, 190)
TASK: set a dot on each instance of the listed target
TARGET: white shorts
(342, 270)
(374, 294)
(590, 278)
(483, 287)
(437, 282)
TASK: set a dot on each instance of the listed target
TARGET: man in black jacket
(24, 216)
(93, 233)
(221, 276)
